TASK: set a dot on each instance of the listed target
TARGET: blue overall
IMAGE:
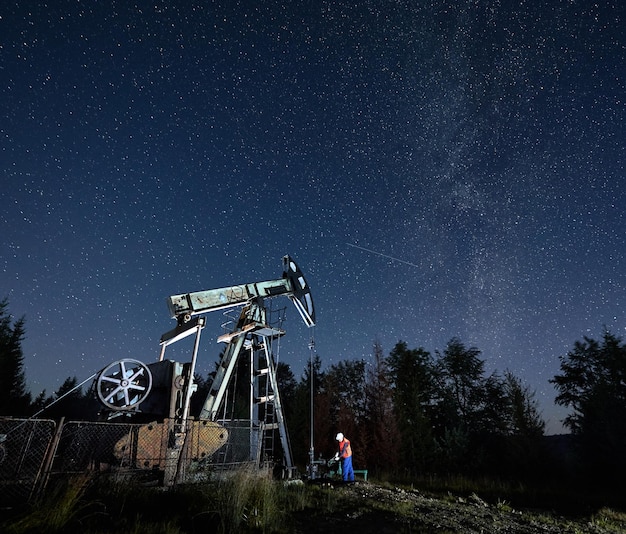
(346, 462)
(346, 468)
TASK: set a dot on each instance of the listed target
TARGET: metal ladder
(267, 405)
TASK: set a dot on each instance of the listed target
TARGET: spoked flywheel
(124, 384)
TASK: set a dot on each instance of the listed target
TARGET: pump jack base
(150, 443)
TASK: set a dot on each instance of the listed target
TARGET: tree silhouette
(411, 373)
(525, 417)
(460, 378)
(70, 402)
(380, 434)
(593, 384)
(298, 413)
(14, 397)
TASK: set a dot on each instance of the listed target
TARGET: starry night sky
(437, 169)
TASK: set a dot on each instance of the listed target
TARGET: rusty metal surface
(149, 443)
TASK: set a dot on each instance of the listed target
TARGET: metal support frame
(174, 466)
(182, 331)
(252, 333)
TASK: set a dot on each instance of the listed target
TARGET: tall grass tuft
(610, 520)
(62, 507)
(249, 500)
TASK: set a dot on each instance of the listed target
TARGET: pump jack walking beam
(292, 285)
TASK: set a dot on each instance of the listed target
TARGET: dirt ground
(364, 508)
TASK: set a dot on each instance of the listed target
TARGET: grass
(250, 501)
(60, 509)
(609, 519)
(556, 505)
(246, 500)
(567, 499)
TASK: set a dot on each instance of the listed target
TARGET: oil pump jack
(163, 389)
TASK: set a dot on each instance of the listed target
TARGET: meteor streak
(383, 255)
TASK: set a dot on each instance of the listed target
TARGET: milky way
(477, 149)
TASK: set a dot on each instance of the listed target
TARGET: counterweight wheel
(124, 384)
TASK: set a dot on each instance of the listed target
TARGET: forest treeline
(410, 413)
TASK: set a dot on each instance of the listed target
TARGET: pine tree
(411, 372)
(298, 413)
(380, 433)
(15, 399)
(525, 417)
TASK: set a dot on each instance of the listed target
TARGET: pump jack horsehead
(159, 393)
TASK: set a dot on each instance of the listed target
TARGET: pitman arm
(293, 285)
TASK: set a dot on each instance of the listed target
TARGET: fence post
(44, 472)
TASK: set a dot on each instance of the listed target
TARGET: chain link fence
(34, 452)
(24, 447)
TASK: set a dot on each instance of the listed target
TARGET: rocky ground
(368, 508)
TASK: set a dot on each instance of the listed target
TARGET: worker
(345, 455)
